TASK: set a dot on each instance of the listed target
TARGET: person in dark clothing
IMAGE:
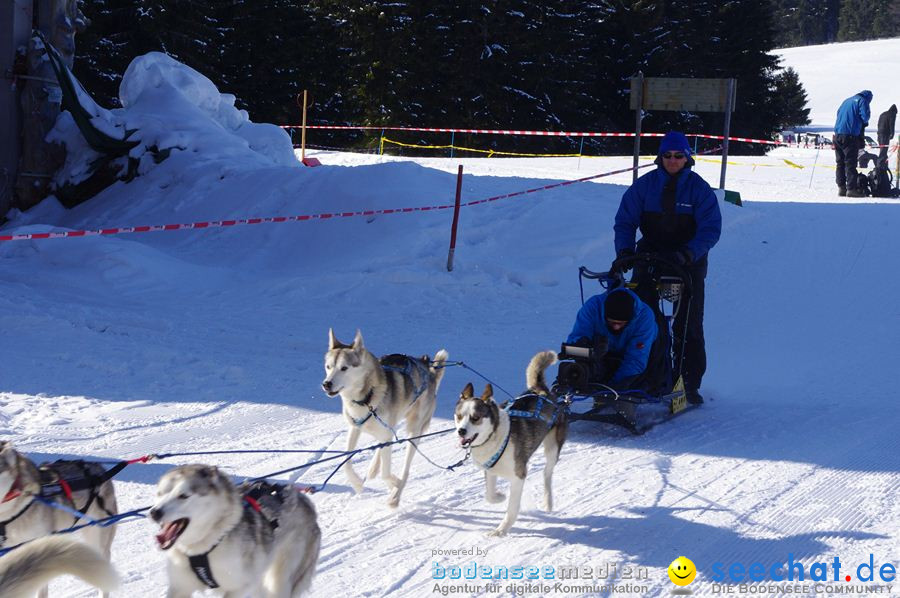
(679, 219)
(852, 120)
(886, 123)
(629, 332)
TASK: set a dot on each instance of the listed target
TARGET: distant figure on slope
(679, 218)
(852, 120)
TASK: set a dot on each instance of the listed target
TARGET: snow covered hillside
(832, 73)
(212, 340)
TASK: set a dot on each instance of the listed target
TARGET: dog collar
(368, 398)
(496, 457)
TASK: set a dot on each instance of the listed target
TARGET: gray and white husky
(255, 540)
(376, 394)
(24, 518)
(30, 567)
(502, 439)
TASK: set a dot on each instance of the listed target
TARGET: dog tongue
(168, 534)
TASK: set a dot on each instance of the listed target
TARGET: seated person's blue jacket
(633, 343)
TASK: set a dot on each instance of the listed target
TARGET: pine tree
(789, 101)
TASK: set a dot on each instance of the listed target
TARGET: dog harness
(15, 493)
(390, 363)
(395, 362)
(64, 478)
(254, 493)
(496, 457)
(537, 412)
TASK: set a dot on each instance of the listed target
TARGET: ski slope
(205, 340)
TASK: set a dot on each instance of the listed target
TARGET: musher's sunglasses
(670, 155)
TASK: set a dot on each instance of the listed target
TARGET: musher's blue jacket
(633, 342)
(697, 219)
(853, 115)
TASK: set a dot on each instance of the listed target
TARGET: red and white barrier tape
(522, 132)
(540, 133)
(480, 131)
(301, 218)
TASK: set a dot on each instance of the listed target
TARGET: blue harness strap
(496, 456)
(407, 370)
(537, 413)
(388, 364)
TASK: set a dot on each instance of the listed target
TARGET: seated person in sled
(621, 335)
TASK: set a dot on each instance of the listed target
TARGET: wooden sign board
(688, 95)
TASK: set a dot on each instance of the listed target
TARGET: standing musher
(852, 120)
(678, 215)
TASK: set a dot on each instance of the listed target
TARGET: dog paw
(394, 499)
(356, 482)
(496, 533)
(494, 499)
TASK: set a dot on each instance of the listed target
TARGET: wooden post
(303, 130)
(897, 172)
(728, 108)
(455, 220)
(639, 114)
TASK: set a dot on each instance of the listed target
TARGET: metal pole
(580, 152)
(303, 130)
(639, 113)
(728, 108)
(452, 137)
(455, 220)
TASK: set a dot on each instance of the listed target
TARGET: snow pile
(172, 110)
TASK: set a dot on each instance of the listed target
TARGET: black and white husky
(26, 490)
(376, 394)
(502, 439)
(258, 539)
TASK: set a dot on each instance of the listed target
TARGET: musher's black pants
(846, 154)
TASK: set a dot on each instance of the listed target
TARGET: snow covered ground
(120, 346)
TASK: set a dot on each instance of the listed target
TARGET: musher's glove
(625, 267)
(684, 257)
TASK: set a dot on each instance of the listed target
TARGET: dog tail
(437, 367)
(27, 569)
(534, 375)
(302, 576)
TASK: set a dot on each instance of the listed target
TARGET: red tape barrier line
(487, 131)
(518, 132)
(301, 218)
(542, 133)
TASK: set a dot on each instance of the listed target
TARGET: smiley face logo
(682, 571)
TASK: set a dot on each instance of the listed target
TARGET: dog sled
(660, 395)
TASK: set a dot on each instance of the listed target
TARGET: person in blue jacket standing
(627, 328)
(679, 219)
(852, 120)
